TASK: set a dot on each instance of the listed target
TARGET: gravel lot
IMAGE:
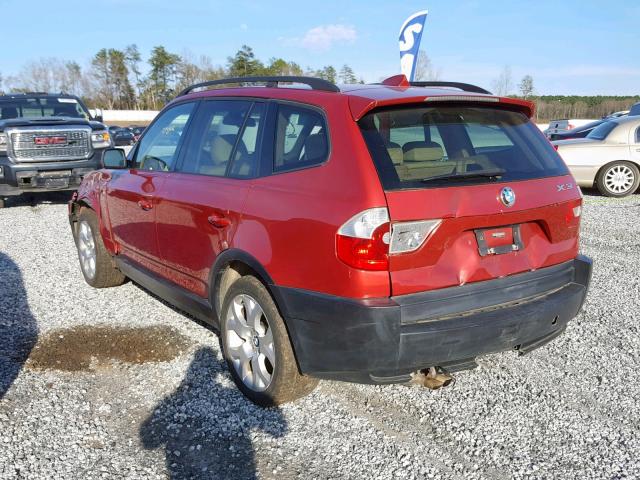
(82, 406)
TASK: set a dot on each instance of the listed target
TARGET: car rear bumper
(18, 178)
(384, 340)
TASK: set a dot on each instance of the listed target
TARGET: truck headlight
(101, 139)
(3, 142)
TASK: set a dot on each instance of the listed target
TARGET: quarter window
(301, 138)
(158, 149)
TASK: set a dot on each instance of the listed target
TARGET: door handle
(145, 205)
(219, 221)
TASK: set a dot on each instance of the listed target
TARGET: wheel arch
(228, 267)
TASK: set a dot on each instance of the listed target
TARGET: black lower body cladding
(383, 341)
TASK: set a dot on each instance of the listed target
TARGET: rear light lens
(363, 241)
(409, 236)
(367, 239)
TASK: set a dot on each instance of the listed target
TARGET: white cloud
(244, 27)
(323, 37)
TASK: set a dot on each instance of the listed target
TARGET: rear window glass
(418, 147)
(601, 132)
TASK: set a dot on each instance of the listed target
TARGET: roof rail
(466, 87)
(271, 81)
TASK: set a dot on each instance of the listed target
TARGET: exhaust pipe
(432, 378)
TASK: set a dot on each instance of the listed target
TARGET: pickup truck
(47, 142)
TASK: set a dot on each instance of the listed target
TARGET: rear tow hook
(433, 378)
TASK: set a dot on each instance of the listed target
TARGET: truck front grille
(50, 145)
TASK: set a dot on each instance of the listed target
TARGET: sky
(569, 47)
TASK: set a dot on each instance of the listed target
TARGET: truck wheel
(96, 263)
(618, 179)
(257, 348)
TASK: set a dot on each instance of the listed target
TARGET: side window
(158, 149)
(301, 138)
(225, 139)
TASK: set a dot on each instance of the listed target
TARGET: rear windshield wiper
(491, 174)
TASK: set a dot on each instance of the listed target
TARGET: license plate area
(499, 240)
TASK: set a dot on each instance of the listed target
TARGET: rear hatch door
(496, 198)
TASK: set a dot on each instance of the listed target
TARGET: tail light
(363, 241)
(556, 147)
(367, 239)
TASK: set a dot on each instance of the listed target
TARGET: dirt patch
(88, 348)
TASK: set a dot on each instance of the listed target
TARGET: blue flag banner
(410, 36)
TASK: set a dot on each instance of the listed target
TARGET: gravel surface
(568, 410)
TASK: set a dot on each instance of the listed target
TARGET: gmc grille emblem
(50, 140)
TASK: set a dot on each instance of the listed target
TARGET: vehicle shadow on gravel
(18, 327)
(205, 427)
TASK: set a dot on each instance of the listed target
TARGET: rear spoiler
(360, 106)
(402, 91)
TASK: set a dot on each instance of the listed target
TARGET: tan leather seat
(422, 152)
(221, 147)
(423, 160)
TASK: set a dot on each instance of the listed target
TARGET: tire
(618, 179)
(96, 263)
(259, 353)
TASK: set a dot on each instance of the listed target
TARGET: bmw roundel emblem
(508, 196)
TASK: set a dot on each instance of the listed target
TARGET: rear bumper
(18, 178)
(384, 340)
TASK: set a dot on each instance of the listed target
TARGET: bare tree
(526, 86)
(503, 85)
(49, 75)
(425, 70)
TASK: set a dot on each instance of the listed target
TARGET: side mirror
(98, 118)
(97, 115)
(114, 158)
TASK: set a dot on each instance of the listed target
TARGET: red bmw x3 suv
(362, 233)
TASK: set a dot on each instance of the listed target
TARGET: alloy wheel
(87, 250)
(249, 342)
(619, 179)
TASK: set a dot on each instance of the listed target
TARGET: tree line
(555, 107)
(116, 78)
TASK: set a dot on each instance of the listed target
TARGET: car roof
(624, 120)
(36, 95)
(363, 98)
